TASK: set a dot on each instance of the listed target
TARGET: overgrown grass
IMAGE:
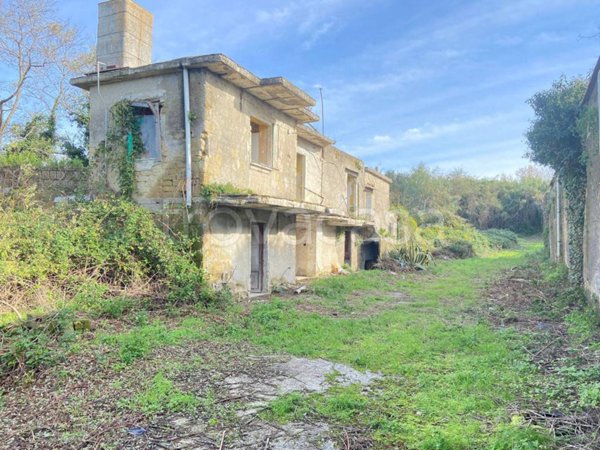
(161, 395)
(141, 340)
(450, 377)
(71, 259)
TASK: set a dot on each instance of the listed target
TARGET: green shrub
(410, 255)
(460, 249)
(502, 239)
(110, 241)
(406, 224)
(72, 256)
(458, 238)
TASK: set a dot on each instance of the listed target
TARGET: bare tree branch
(36, 50)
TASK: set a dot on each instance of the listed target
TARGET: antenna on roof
(322, 112)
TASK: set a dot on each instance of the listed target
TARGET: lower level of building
(253, 250)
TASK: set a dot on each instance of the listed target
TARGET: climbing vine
(123, 145)
(574, 188)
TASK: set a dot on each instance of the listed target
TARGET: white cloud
(380, 139)
(317, 33)
(273, 16)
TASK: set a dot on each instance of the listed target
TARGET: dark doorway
(257, 257)
(370, 254)
(348, 247)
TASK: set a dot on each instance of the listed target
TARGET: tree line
(509, 202)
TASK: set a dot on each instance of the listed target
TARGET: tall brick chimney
(124, 34)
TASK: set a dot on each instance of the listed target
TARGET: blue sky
(442, 82)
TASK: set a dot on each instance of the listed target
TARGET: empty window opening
(261, 143)
(148, 117)
(369, 200)
(352, 183)
(300, 176)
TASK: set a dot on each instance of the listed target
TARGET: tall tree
(554, 141)
(36, 50)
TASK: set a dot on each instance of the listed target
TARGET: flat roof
(278, 92)
(378, 174)
(592, 83)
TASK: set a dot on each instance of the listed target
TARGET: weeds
(162, 395)
(36, 343)
(141, 340)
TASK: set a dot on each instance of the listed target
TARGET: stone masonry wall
(50, 182)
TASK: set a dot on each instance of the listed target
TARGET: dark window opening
(148, 116)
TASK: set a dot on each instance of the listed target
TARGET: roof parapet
(378, 174)
(313, 136)
(277, 92)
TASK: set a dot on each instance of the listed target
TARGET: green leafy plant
(34, 343)
(410, 255)
(589, 395)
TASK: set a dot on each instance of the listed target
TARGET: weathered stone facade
(311, 208)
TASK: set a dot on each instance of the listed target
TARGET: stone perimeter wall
(50, 182)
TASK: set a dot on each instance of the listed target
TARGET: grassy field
(456, 373)
(450, 375)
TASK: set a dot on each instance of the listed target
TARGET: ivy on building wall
(574, 188)
(123, 145)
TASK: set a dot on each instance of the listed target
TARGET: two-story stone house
(206, 121)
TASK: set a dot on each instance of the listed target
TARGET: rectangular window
(300, 176)
(352, 183)
(262, 150)
(148, 116)
(369, 200)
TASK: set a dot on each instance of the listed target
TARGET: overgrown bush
(460, 249)
(457, 239)
(501, 239)
(74, 257)
(34, 343)
(110, 241)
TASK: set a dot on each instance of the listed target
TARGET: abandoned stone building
(558, 219)
(294, 205)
